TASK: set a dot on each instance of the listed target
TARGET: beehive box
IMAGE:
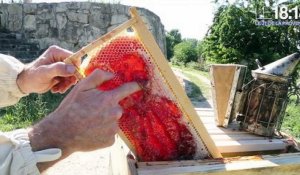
(243, 152)
(123, 162)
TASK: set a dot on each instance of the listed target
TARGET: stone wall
(71, 24)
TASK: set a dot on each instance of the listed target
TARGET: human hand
(48, 72)
(87, 119)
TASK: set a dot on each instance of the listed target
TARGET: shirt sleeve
(10, 93)
(17, 157)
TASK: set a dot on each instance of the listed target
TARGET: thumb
(59, 69)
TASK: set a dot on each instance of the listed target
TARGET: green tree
(199, 49)
(193, 41)
(184, 52)
(230, 36)
(172, 38)
(234, 36)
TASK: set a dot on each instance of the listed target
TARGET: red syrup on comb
(152, 123)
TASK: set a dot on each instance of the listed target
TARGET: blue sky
(191, 17)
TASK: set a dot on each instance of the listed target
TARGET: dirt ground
(83, 163)
(97, 162)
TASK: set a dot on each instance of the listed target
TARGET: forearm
(48, 134)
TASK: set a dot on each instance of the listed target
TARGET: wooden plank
(121, 160)
(206, 114)
(221, 88)
(126, 141)
(231, 97)
(212, 126)
(209, 115)
(209, 110)
(236, 137)
(222, 131)
(251, 165)
(254, 165)
(180, 163)
(174, 86)
(237, 84)
(207, 120)
(231, 146)
(232, 141)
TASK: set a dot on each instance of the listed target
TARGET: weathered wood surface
(235, 95)
(236, 142)
(120, 163)
(226, 80)
(284, 164)
(222, 81)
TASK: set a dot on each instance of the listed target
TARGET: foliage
(28, 110)
(295, 87)
(193, 41)
(172, 38)
(184, 52)
(186, 69)
(199, 49)
(235, 38)
(292, 119)
(202, 66)
(193, 65)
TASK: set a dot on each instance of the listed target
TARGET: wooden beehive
(255, 162)
(283, 164)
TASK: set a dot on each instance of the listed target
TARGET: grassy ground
(291, 122)
(28, 110)
(198, 86)
(191, 70)
(200, 90)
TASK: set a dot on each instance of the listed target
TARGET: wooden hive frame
(160, 61)
(123, 163)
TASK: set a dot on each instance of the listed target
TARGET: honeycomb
(152, 120)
